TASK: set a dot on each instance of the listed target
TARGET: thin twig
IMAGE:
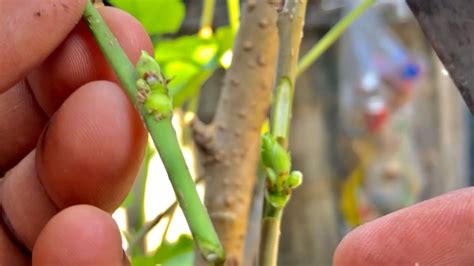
(140, 235)
(149, 226)
(136, 212)
(322, 45)
(207, 16)
(233, 8)
(168, 224)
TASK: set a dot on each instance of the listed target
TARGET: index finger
(438, 231)
(30, 31)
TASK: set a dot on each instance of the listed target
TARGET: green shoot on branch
(275, 159)
(233, 8)
(207, 17)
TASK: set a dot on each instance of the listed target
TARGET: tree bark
(230, 143)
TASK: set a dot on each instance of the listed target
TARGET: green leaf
(179, 253)
(181, 74)
(143, 261)
(157, 16)
(187, 84)
(168, 251)
(188, 61)
(225, 38)
(190, 48)
(185, 259)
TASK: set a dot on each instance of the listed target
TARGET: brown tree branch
(231, 151)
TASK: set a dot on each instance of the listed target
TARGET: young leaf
(189, 61)
(225, 37)
(157, 16)
(168, 250)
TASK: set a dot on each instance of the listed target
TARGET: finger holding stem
(155, 105)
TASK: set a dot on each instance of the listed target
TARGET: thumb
(31, 30)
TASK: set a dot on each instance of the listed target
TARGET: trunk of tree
(230, 144)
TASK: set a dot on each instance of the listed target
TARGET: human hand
(439, 231)
(70, 141)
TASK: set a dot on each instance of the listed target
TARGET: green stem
(281, 115)
(271, 211)
(112, 51)
(146, 228)
(322, 45)
(270, 235)
(165, 140)
(164, 137)
(233, 8)
(207, 14)
(149, 153)
(136, 212)
(290, 29)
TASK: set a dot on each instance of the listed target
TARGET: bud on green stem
(277, 163)
(152, 88)
(142, 87)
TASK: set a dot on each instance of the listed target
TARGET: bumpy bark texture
(230, 145)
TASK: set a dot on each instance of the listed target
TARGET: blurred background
(377, 126)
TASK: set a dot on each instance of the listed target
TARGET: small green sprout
(277, 164)
(153, 94)
(274, 155)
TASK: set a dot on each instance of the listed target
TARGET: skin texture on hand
(439, 231)
(69, 135)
